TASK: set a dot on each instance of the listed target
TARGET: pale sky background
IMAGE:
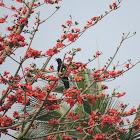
(107, 33)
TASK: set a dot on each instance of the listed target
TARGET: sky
(107, 34)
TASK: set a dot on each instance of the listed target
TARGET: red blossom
(77, 30)
(18, 0)
(127, 65)
(123, 130)
(132, 110)
(70, 114)
(2, 20)
(80, 128)
(114, 5)
(127, 120)
(104, 87)
(69, 22)
(51, 67)
(136, 124)
(16, 115)
(91, 99)
(101, 136)
(72, 37)
(32, 53)
(23, 21)
(52, 51)
(2, 4)
(16, 37)
(89, 23)
(50, 137)
(37, 21)
(35, 5)
(103, 94)
(6, 73)
(59, 44)
(78, 78)
(53, 122)
(94, 19)
(58, 1)
(6, 121)
(90, 131)
(13, 7)
(120, 95)
(68, 59)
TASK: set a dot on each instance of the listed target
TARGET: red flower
(35, 5)
(123, 130)
(37, 21)
(16, 115)
(53, 122)
(72, 37)
(32, 53)
(2, 20)
(50, 52)
(23, 21)
(69, 22)
(80, 128)
(120, 95)
(18, 0)
(49, 137)
(104, 87)
(127, 120)
(70, 114)
(94, 18)
(114, 5)
(127, 65)
(91, 99)
(78, 78)
(59, 44)
(101, 136)
(13, 8)
(68, 59)
(90, 131)
(58, 1)
(97, 53)
(132, 110)
(2, 4)
(103, 94)
(6, 73)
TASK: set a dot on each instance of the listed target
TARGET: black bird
(62, 67)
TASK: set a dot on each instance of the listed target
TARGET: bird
(61, 67)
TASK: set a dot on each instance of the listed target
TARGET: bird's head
(58, 60)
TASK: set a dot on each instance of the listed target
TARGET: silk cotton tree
(84, 79)
(21, 86)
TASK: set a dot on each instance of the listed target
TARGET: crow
(62, 67)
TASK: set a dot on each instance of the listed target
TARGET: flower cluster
(71, 37)
(6, 121)
(16, 115)
(32, 53)
(52, 51)
(2, 20)
(51, 1)
(73, 116)
(74, 93)
(106, 74)
(76, 67)
(53, 122)
(94, 19)
(114, 6)
(136, 124)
